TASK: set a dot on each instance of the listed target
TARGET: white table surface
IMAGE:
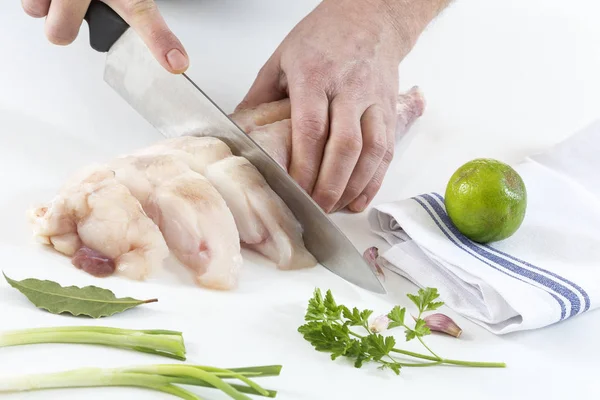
(502, 79)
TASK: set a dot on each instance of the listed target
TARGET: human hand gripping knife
(175, 106)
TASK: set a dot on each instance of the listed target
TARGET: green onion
(161, 377)
(160, 342)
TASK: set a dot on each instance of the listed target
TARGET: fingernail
(359, 204)
(177, 61)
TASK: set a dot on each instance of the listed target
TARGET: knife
(176, 106)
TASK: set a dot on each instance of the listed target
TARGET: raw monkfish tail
(199, 230)
(93, 211)
(53, 225)
(196, 152)
(249, 119)
(409, 107)
(276, 140)
(191, 214)
(264, 221)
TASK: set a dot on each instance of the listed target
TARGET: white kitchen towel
(547, 272)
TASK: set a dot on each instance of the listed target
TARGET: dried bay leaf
(91, 301)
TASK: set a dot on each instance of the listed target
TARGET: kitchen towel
(547, 272)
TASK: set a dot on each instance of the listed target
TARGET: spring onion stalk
(209, 375)
(160, 342)
(162, 377)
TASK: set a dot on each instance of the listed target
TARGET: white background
(502, 79)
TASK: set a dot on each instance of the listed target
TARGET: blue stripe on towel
(583, 293)
(539, 278)
(480, 258)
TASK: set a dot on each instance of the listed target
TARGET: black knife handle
(106, 26)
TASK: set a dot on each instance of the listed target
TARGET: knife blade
(175, 106)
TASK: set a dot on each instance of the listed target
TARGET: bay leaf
(91, 301)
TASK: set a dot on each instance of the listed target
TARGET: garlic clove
(442, 323)
(379, 324)
(371, 256)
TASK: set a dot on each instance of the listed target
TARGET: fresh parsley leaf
(434, 305)
(421, 329)
(323, 309)
(395, 367)
(378, 346)
(424, 300)
(365, 314)
(316, 308)
(360, 359)
(356, 317)
(396, 317)
(355, 349)
(332, 310)
(310, 327)
(332, 338)
(353, 317)
(338, 340)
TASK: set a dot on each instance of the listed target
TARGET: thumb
(144, 17)
(268, 86)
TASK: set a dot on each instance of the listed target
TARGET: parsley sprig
(329, 326)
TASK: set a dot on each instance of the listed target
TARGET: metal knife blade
(176, 106)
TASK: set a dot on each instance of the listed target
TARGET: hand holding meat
(270, 124)
(339, 68)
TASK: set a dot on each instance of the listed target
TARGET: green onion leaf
(165, 343)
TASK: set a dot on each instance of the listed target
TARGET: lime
(486, 200)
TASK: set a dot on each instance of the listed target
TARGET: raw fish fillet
(409, 108)
(276, 139)
(264, 221)
(249, 119)
(196, 152)
(96, 220)
(191, 214)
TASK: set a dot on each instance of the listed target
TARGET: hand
(339, 67)
(64, 19)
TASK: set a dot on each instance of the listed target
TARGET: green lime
(486, 200)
